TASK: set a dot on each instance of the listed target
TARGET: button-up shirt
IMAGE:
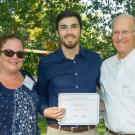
(118, 89)
(58, 74)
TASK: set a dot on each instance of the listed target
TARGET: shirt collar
(60, 54)
(127, 59)
(83, 52)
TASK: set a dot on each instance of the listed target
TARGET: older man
(118, 79)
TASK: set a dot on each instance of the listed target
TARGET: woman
(18, 99)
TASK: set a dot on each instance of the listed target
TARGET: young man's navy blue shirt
(57, 74)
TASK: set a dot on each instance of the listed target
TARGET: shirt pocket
(129, 89)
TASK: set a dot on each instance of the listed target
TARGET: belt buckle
(73, 127)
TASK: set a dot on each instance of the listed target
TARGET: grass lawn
(42, 126)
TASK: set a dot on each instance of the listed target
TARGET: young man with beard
(71, 69)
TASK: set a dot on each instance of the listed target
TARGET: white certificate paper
(81, 108)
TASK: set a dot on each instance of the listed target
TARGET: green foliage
(34, 21)
(31, 63)
(129, 6)
(42, 125)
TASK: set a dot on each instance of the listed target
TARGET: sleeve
(102, 89)
(42, 89)
(98, 77)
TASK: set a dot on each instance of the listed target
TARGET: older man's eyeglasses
(123, 33)
(11, 53)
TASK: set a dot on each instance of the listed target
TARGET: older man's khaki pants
(53, 131)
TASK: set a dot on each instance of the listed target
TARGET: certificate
(81, 108)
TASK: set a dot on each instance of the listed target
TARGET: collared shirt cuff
(42, 108)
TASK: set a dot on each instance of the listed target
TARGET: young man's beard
(69, 44)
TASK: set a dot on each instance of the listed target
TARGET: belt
(72, 128)
(115, 133)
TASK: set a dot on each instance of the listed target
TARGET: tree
(34, 21)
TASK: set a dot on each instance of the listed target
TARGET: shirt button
(76, 74)
(74, 61)
(77, 86)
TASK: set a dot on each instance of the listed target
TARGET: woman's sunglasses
(11, 53)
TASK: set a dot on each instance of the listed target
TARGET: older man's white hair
(124, 15)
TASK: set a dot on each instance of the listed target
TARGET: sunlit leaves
(34, 21)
